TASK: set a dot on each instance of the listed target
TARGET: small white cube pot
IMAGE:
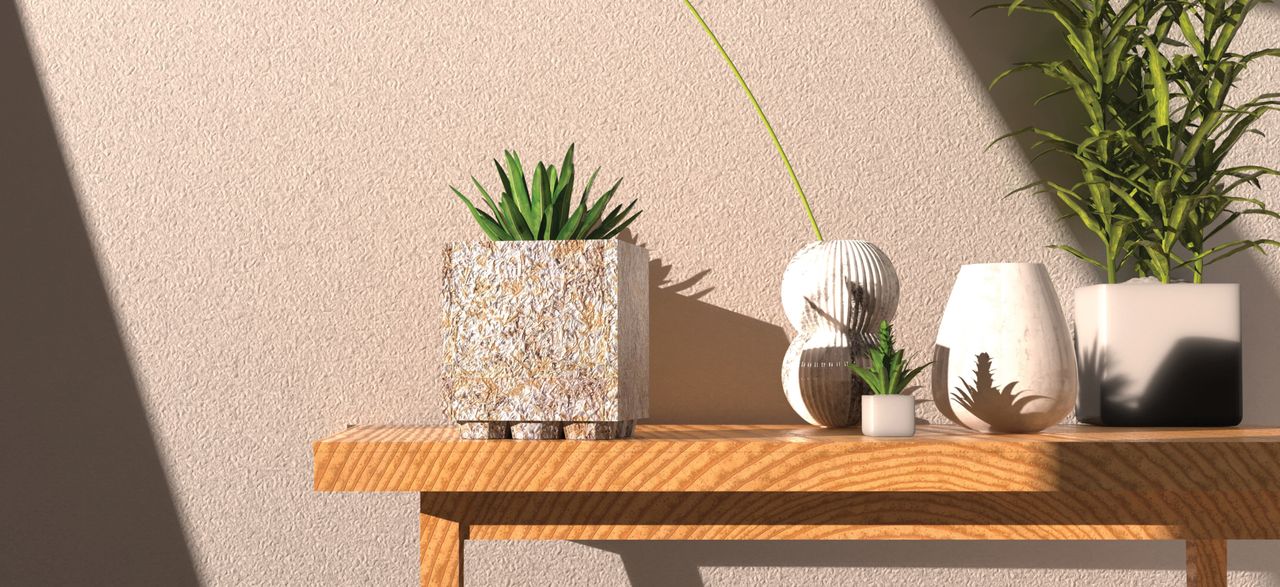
(888, 415)
(1155, 354)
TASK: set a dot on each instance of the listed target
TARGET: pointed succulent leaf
(493, 207)
(487, 223)
(621, 227)
(593, 215)
(867, 376)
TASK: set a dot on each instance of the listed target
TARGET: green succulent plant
(542, 209)
(888, 373)
(1153, 78)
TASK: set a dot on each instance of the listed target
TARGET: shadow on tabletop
(87, 501)
(678, 563)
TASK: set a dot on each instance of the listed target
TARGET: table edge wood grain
(746, 482)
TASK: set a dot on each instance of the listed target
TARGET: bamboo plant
(1154, 78)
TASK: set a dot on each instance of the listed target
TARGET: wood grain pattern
(789, 459)
(786, 483)
(835, 516)
(1206, 563)
(820, 532)
(440, 545)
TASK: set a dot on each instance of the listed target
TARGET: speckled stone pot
(546, 339)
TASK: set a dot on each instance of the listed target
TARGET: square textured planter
(1159, 354)
(545, 339)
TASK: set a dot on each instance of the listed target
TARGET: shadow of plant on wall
(822, 349)
(709, 365)
(1000, 407)
(857, 298)
(992, 42)
(660, 274)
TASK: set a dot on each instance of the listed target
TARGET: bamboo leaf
(1189, 33)
(1254, 245)
(1077, 253)
(1158, 93)
(1226, 250)
(1026, 187)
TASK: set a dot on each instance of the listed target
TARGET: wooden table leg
(1206, 563)
(440, 543)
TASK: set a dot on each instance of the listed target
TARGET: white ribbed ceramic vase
(835, 293)
(1004, 361)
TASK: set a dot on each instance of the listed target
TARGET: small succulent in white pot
(890, 410)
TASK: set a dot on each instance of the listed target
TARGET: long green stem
(1111, 264)
(763, 118)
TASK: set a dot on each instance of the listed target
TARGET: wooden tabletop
(751, 458)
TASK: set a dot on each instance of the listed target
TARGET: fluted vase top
(839, 284)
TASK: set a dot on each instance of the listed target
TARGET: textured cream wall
(264, 184)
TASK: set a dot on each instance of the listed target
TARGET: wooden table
(797, 483)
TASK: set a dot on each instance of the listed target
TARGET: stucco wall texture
(265, 188)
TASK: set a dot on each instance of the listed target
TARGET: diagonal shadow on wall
(991, 42)
(86, 499)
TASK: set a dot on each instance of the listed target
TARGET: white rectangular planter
(889, 415)
(546, 338)
(1159, 354)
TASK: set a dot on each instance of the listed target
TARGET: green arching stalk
(769, 127)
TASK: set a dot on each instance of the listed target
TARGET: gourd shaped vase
(1003, 361)
(834, 293)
